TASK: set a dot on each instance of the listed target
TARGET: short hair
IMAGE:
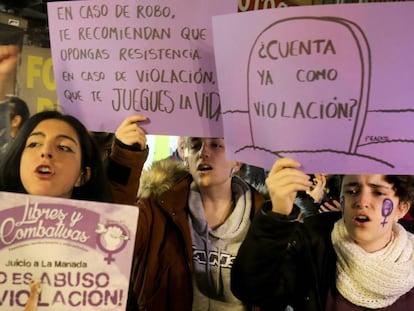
(18, 107)
(95, 189)
(403, 186)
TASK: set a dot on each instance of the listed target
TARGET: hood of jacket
(160, 177)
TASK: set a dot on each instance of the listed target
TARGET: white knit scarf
(374, 280)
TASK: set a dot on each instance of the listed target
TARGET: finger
(336, 203)
(8, 50)
(336, 206)
(132, 128)
(284, 163)
(286, 186)
(134, 119)
(131, 138)
(130, 123)
(129, 132)
(323, 209)
(292, 175)
(329, 207)
(320, 180)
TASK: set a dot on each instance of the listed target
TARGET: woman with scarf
(361, 260)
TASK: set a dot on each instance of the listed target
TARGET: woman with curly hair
(360, 259)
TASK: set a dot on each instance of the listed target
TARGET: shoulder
(160, 177)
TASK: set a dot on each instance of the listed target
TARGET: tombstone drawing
(333, 94)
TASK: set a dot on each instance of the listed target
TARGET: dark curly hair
(403, 186)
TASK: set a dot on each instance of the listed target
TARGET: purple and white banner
(80, 251)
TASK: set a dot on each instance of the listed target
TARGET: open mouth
(44, 170)
(204, 168)
(360, 219)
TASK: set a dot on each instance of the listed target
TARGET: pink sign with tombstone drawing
(79, 251)
(329, 85)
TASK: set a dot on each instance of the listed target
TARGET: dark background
(35, 12)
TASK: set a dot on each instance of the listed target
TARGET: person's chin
(204, 182)
(44, 192)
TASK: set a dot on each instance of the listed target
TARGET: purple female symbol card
(80, 251)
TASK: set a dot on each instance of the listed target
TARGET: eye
(195, 146)
(65, 148)
(351, 191)
(216, 145)
(378, 193)
(32, 144)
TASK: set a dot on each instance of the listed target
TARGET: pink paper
(329, 85)
(118, 58)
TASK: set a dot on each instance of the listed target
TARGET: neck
(217, 205)
(378, 245)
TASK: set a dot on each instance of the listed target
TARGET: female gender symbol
(386, 210)
(111, 238)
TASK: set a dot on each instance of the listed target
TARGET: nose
(362, 201)
(204, 151)
(46, 155)
(46, 151)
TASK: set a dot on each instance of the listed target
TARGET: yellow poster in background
(36, 82)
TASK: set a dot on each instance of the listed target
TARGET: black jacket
(284, 262)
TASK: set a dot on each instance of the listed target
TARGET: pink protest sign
(117, 58)
(80, 251)
(327, 85)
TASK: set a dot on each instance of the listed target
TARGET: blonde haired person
(191, 223)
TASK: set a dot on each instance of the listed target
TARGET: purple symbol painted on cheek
(386, 210)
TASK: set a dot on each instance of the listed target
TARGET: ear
(16, 121)
(84, 176)
(236, 166)
(15, 125)
(403, 208)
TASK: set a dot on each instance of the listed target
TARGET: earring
(80, 180)
(232, 171)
